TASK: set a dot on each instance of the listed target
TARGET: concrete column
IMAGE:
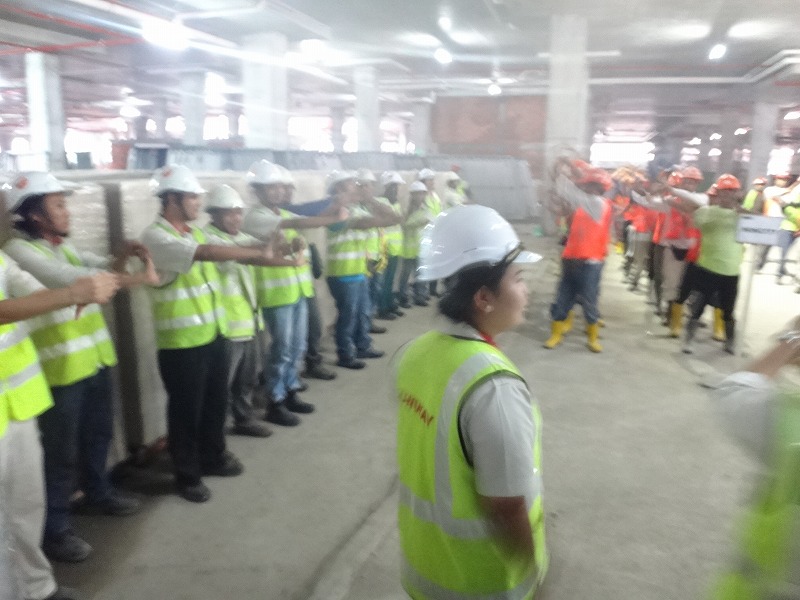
(368, 109)
(193, 106)
(140, 127)
(46, 120)
(159, 114)
(762, 137)
(233, 113)
(568, 94)
(338, 114)
(420, 131)
(266, 95)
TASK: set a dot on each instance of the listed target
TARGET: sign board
(755, 229)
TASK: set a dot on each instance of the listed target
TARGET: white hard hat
(263, 172)
(426, 174)
(31, 183)
(335, 177)
(451, 176)
(417, 186)
(288, 178)
(468, 236)
(223, 197)
(366, 175)
(389, 177)
(175, 178)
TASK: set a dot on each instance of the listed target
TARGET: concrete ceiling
(652, 41)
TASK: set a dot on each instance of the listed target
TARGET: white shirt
(16, 283)
(260, 222)
(52, 267)
(696, 197)
(577, 198)
(499, 434)
(171, 255)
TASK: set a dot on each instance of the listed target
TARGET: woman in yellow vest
(24, 395)
(469, 434)
(76, 355)
(765, 419)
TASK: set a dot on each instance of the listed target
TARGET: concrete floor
(641, 480)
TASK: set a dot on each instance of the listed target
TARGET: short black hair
(457, 301)
(32, 205)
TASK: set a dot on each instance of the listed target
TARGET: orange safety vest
(658, 231)
(588, 239)
(677, 225)
(694, 252)
(644, 219)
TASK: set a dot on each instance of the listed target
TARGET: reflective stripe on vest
(188, 312)
(238, 295)
(393, 236)
(70, 349)
(447, 542)
(24, 393)
(768, 564)
(347, 249)
(588, 239)
(283, 286)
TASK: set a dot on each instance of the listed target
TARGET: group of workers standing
(218, 293)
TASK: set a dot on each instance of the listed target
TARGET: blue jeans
(353, 320)
(387, 301)
(580, 282)
(76, 435)
(288, 326)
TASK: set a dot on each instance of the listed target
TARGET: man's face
(348, 192)
(55, 218)
(270, 195)
(690, 185)
(428, 183)
(759, 187)
(366, 189)
(288, 193)
(191, 206)
(781, 182)
(228, 220)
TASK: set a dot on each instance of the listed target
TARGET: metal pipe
(21, 49)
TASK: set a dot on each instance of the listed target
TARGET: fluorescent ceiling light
(129, 112)
(717, 52)
(754, 29)
(714, 152)
(443, 56)
(741, 131)
(446, 23)
(494, 89)
(589, 54)
(165, 34)
(421, 40)
(695, 141)
(792, 115)
(715, 136)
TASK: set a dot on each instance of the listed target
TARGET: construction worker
(417, 216)
(188, 309)
(586, 249)
(754, 199)
(716, 275)
(773, 207)
(376, 260)
(313, 359)
(453, 195)
(765, 419)
(25, 395)
(435, 206)
(244, 321)
(463, 187)
(75, 355)
(388, 308)
(347, 266)
(641, 239)
(470, 515)
(283, 291)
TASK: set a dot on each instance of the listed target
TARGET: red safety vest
(588, 239)
(658, 231)
(694, 252)
(677, 225)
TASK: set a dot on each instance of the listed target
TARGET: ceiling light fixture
(715, 152)
(695, 141)
(129, 112)
(446, 23)
(792, 115)
(715, 136)
(589, 54)
(443, 56)
(741, 131)
(494, 89)
(166, 34)
(717, 52)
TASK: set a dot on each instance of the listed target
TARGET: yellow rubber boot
(593, 333)
(675, 319)
(619, 247)
(556, 336)
(719, 326)
(568, 321)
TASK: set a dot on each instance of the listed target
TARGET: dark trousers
(407, 270)
(386, 302)
(313, 352)
(76, 435)
(353, 320)
(196, 380)
(687, 283)
(709, 286)
(580, 282)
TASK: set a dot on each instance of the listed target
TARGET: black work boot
(691, 329)
(730, 336)
(279, 414)
(296, 405)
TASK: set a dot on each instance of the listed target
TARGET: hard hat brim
(526, 257)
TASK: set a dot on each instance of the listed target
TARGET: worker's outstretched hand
(98, 289)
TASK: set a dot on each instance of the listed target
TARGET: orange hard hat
(728, 182)
(692, 173)
(598, 176)
(712, 191)
(675, 178)
(760, 181)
